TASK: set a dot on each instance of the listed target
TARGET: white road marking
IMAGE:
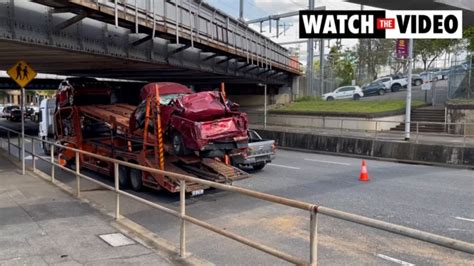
(330, 162)
(464, 219)
(401, 262)
(284, 166)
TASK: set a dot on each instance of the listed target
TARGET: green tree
(428, 50)
(469, 37)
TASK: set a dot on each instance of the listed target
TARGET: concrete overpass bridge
(185, 41)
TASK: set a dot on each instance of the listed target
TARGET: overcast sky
(261, 8)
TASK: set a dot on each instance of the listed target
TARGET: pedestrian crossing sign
(22, 73)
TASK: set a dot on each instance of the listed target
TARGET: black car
(15, 115)
(374, 88)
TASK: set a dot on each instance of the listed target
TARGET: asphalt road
(434, 199)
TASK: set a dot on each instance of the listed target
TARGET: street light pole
(408, 102)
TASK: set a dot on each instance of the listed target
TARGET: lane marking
(464, 219)
(330, 162)
(284, 166)
(401, 262)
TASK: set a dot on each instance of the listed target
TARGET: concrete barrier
(392, 150)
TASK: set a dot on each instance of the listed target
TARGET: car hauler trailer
(108, 130)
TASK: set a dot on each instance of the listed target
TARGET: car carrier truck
(155, 134)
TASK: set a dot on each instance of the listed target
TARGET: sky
(261, 8)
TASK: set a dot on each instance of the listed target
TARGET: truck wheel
(178, 144)
(124, 177)
(258, 166)
(418, 82)
(136, 179)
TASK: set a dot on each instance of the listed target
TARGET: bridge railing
(198, 22)
(312, 209)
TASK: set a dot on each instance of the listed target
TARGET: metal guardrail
(313, 209)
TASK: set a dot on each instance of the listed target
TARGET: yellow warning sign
(22, 73)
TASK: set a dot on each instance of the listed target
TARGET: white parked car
(346, 92)
(394, 83)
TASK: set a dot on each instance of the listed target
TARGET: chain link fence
(461, 80)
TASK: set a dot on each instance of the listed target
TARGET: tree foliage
(428, 50)
(373, 53)
(469, 36)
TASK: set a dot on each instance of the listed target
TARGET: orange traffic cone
(364, 175)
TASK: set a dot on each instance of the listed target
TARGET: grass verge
(346, 106)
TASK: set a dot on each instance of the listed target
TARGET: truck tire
(136, 179)
(258, 166)
(178, 144)
(418, 82)
(124, 177)
(396, 87)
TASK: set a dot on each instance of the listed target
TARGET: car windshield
(166, 99)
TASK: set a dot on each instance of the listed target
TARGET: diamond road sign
(22, 73)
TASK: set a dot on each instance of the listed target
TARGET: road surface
(433, 199)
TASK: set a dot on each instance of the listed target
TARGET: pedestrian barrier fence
(313, 210)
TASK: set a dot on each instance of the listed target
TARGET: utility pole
(408, 103)
(321, 67)
(241, 10)
(310, 64)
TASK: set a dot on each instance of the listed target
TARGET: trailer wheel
(178, 144)
(124, 177)
(136, 179)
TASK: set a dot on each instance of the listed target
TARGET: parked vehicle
(394, 83)
(259, 152)
(1, 109)
(6, 113)
(347, 92)
(46, 125)
(416, 80)
(15, 115)
(130, 133)
(374, 88)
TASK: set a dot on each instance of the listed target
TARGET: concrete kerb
(126, 226)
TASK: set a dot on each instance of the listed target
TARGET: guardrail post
(8, 136)
(33, 155)
(78, 178)
(19, 148)
(52, 163)
(182, 201)
(117, 188)
(313, 238)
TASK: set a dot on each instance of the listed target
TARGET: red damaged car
(202, 121)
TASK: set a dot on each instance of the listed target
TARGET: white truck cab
(46, 125)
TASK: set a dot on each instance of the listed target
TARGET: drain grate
(117, 239)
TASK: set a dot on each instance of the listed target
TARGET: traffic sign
(22, 73)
